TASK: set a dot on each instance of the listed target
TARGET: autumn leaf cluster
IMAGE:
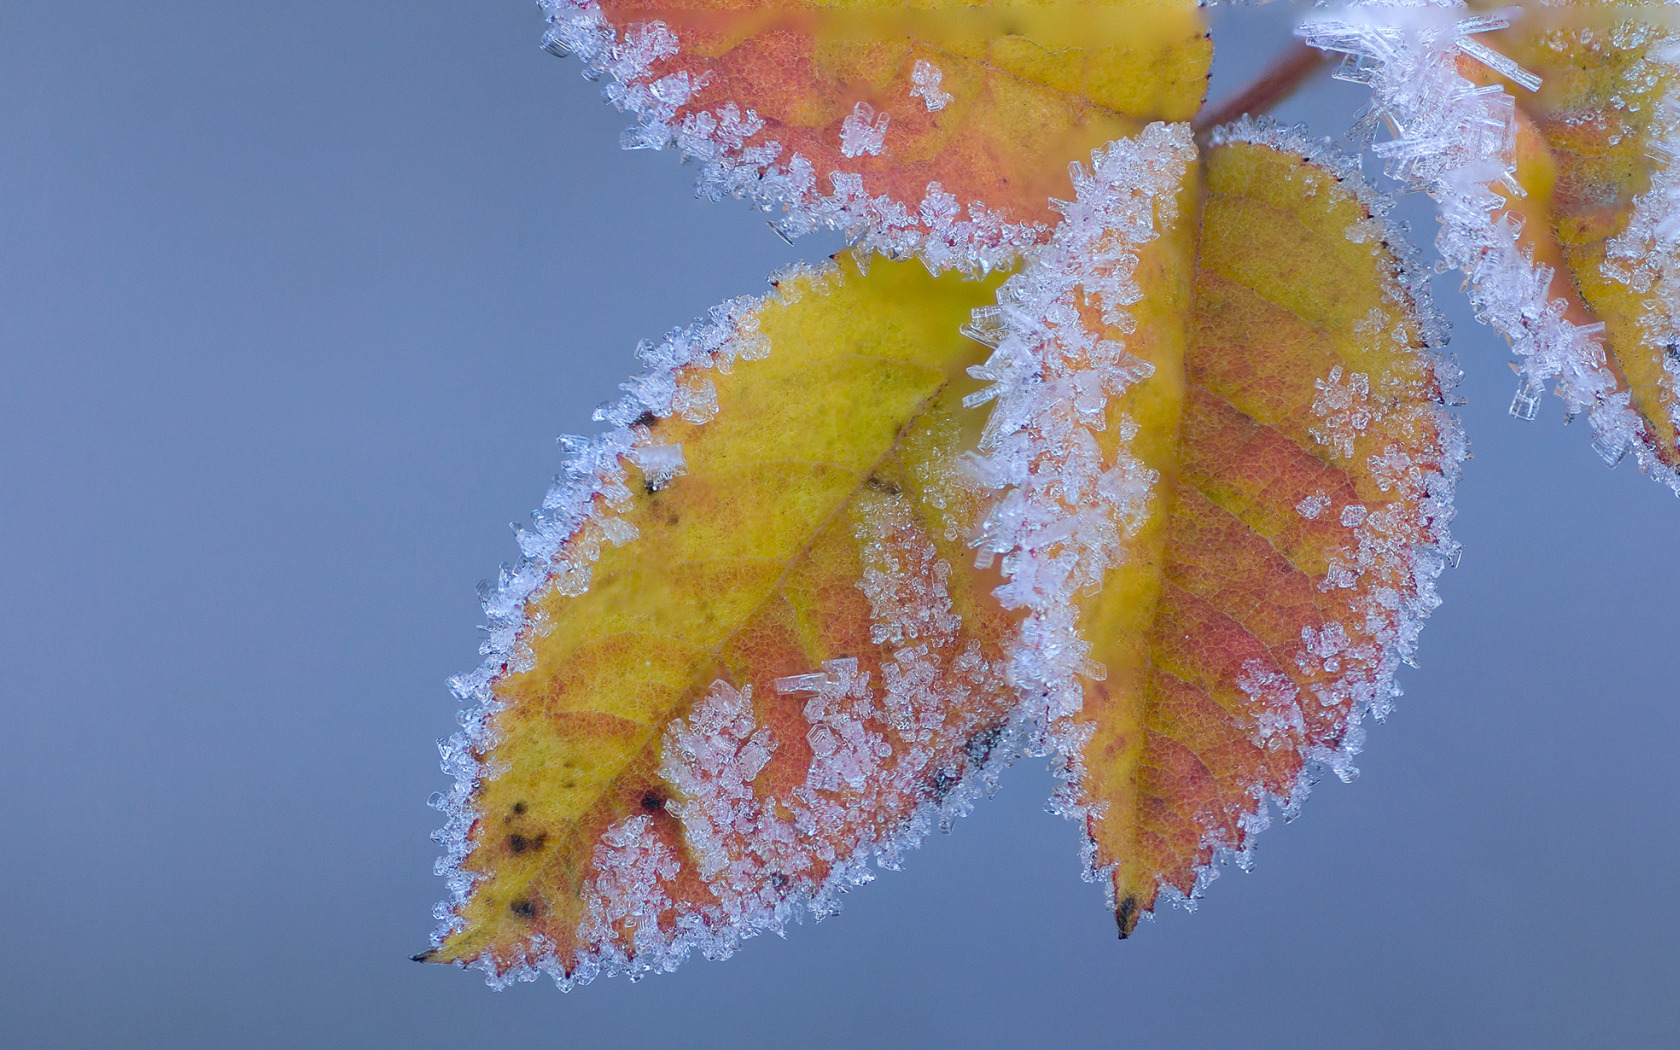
(1113, 438)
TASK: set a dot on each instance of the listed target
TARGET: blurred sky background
(294, 298)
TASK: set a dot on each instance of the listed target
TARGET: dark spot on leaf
(523, 908)
(519, 808)
(646, 419)
(653, 802)
(880, 484)
(779, 881)
(520, 843)
(1126, 916)
(425, 956)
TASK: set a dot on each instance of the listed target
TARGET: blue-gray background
(294, 298)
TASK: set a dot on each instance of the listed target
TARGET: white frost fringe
(1064, 512)
(931, 229)
(1455, 140)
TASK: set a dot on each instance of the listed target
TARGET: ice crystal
(1344, 409)
(863, 132)
(1279, 723)
(1312, 506)
(926, 77)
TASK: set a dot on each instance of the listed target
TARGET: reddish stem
(1286, 76)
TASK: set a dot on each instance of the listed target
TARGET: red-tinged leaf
(942, 129)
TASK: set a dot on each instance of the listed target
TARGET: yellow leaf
(750, 656)
(1273, 469)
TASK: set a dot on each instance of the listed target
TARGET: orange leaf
(939, 128)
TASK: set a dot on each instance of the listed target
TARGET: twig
(1275, 85)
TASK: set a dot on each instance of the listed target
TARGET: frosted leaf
(1455, 140)
(1306, 704)
(893, 752)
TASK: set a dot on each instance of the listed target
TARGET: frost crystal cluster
(1065, 509)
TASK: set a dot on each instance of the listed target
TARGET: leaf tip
(1126, 916)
